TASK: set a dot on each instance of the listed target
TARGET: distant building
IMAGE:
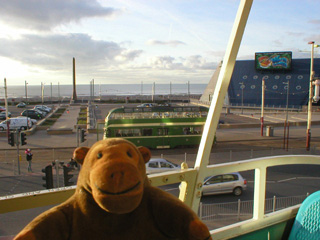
(246, 83)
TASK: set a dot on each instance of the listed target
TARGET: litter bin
(269, 131)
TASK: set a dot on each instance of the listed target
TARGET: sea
(102, 90)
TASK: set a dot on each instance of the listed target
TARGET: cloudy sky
(134, 41)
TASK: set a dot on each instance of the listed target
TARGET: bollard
(239, 209)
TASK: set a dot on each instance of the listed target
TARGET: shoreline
(135, 98)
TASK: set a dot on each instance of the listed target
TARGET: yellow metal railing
(260, 219)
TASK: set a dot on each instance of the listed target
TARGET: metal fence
(238, 211)
(41, 157)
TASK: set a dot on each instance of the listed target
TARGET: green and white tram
(157, 127)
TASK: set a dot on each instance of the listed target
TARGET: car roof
(158, 159)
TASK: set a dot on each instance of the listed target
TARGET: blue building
(246, 84)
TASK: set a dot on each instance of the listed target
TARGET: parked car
(41, 112)
(224, 183)
(3, 115)
(32, 114)
(157, 165)
(16, 123)
(146, 105)
(43, 108)
(2, 109)
(21, 105)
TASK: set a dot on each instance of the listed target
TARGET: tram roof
(160, 109)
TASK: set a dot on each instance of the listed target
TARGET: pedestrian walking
(29, 158)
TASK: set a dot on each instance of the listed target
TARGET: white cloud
(45, 15)
(54, 52)
(173, 43)
(191, 63)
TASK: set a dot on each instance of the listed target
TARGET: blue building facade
(246, 84)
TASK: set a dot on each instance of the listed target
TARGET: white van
(16, 123)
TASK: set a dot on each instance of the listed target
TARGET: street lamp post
(242, 86)
(262, 106)
(286, 123)
(42, 92)
(310, 97)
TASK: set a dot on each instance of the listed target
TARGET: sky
(142, 41)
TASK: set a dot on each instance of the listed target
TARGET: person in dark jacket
(29, 158)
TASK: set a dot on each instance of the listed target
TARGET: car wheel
(237, 191)
(1, 129)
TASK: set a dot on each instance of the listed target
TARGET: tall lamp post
(262, 106)
(310, 97)
(286, 123)
(242, 86)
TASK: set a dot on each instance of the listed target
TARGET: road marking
(282, 119)
(290, 179)
(303, 119)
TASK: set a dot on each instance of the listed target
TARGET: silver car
(157, 165)
(224, 183)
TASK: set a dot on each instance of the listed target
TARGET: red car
(2, 109)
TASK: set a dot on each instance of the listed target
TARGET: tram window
(197, 130)
(118, 133)
(108, 133)
(163, 131)
(136, 132)
(147, 132)
(186, 131)
(192, 130)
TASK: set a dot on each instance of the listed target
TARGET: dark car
(3, 115)
(31, 114)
